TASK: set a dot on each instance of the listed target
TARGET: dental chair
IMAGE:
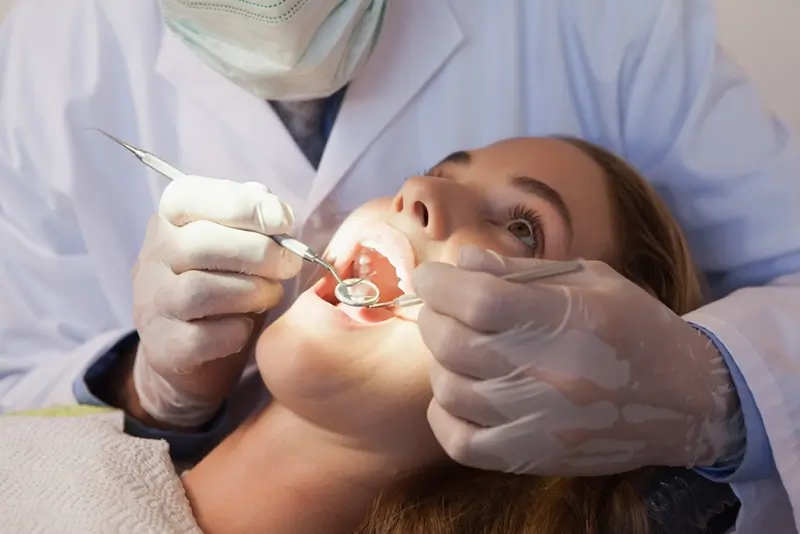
(683, 502)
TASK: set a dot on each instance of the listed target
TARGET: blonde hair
(652, 252)
(453, 499)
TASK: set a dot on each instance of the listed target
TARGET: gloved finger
(457, 395)
(204, 245)
(518, 447)
(452, 433)
(510, 448)
(201, 294)
(458, 437)
(475, 258)
(462, 295)
(192, 344)
(458, 348)
(488, 304)
(593, 274)
(248, 206)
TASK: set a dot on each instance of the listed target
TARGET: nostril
(398, 203)
(421, 211)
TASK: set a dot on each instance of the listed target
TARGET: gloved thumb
(474, 258)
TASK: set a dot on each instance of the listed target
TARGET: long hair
(453, 499)
(653, 252)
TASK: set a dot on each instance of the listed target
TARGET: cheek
(593, 242)
(491, 238)
(373, 211)
(378, 208)
(405, 362)
(449, 250)
(595, 230)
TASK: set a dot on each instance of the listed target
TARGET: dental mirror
(357, 292)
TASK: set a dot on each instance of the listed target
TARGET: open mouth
(387, 258)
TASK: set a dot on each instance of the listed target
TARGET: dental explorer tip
(120, 142)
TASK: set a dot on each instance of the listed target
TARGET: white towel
(83, 475)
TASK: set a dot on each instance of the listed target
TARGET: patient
(346, 447)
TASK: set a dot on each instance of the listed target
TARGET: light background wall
(763, 36)
(4, 5)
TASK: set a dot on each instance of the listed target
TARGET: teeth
(404, 286)
(363, 265)
(402, 275)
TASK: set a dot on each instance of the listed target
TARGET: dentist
(322, 105)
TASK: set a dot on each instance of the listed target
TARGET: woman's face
(530, 197)
(526, 197)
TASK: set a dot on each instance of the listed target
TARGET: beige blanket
(82, 475)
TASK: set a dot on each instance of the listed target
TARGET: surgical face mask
(280, 49)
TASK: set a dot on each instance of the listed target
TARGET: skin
(351, 398)
(473, 199)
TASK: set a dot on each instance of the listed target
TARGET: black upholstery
(682, 502)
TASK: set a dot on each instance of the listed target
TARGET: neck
(280, 474)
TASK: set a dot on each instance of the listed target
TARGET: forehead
(565, 168)
(555, 162)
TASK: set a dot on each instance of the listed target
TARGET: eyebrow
(526, 184)
(460, 157)
(532, 186)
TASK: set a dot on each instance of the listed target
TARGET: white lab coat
(641, 77)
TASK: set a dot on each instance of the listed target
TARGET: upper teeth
(402, 275)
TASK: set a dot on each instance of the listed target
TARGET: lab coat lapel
(257, 146)
(417, 39)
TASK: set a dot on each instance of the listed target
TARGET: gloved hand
(205, 272)
(583, 374)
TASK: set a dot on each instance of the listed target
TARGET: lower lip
(366, 316)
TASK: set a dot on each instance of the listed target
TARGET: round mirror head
(363, 293)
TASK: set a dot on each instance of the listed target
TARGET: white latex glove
(584, 374)
(205, 271)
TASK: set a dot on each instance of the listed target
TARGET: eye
(525, 225)
(523, 231)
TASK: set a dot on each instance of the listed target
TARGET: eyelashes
(533, 221)
(426, 172)
(523, 212)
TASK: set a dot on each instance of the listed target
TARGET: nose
(423, 200)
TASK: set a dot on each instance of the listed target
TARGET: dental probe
(539, 272)
(284, 240)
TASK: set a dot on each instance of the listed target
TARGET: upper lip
(388, 241)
